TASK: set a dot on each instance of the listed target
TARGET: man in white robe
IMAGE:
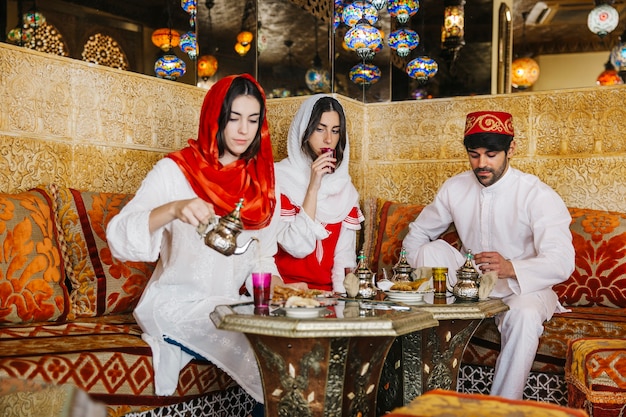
(516, 226)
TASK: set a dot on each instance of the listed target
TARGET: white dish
(407, 297)
(303, 312)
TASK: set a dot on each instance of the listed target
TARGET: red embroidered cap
(489, 122)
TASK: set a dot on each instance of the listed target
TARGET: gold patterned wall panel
(111, 169)
(102, 129)
(27, 162)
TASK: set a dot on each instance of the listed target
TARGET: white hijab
(337, 195)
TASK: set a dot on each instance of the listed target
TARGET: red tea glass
(326, 150)
(261, 288)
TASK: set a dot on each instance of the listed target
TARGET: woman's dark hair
(494, 142)
(240, 87)
(323, 105)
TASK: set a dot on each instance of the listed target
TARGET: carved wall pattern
(102, 129)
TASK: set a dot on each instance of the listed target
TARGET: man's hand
(493, 261)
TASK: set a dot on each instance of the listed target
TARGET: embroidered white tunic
(519, 216)
(189, 281)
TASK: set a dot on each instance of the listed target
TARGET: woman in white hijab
(319, 204)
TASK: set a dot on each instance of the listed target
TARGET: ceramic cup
(261, 287)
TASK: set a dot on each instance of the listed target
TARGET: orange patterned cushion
(32, 287)
(442, 403)
(596, 375)
(389, 225)
(600, 276)
(100, 284)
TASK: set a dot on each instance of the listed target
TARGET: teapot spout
(242, 249)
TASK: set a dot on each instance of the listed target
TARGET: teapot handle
(204, 228)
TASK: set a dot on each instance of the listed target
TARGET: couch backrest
(599, 238)
(55, 264)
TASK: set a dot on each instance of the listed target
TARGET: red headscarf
(224, 186)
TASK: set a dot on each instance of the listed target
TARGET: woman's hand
(193, 211)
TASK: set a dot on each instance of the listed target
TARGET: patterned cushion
(442, 403)
(600, 276)
(32, 276)
(388, 226)
(100, 284)
(596, 375)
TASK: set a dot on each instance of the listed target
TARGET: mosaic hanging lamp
(609, 76)
(207, 66)
(524, 69)
(338, 14)
(190, 6)
(166, 38)
(603, 19)
(242, 50)
(33, 18)
(453, 29)
(170, 67)
(365, 39)
(402, 10)
(189, 45)
(317, 78)
(357, 10)
(403, 41)
(379, 4)
(365, 74)
(422, 68)
(524, 72)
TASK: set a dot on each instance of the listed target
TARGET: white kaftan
(189, 281)
(526, 222)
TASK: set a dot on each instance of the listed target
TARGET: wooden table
(327, 366)
(430, 358)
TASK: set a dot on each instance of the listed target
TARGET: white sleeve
(128, 233)
(299, 234)
(434, 219)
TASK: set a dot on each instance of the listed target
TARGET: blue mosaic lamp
(189, 45)
(402, 10)
(357, 10)
(403, 41)
(170, 67)
(422, 68)
(338, 14)
(365, 74)
(365, 39)
(317, 80)
(191, 7)
(618, 56)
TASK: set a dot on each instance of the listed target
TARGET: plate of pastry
(407, 297)
(304, 312)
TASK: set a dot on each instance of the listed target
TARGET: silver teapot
(221, 234)
(367, 289)
(402, 270)
(468, 280)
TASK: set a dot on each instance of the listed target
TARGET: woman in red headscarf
(230, 160)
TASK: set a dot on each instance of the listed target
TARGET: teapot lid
(234, 217)
(402, 264)
(467, 269)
